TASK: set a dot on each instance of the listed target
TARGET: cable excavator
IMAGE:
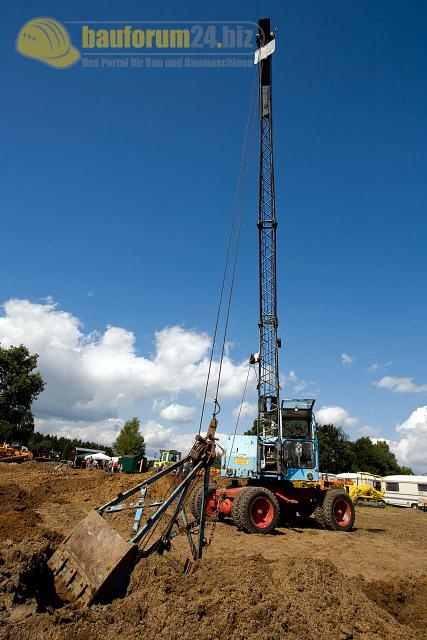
(270, 476)
(274, 474)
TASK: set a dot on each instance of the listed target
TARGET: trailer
(361, 477)
(405, 491)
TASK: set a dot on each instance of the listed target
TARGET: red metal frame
(223, 498)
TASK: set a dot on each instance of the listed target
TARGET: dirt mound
(244, 598)
(405, 599)
(26, 584)
(42, 496)
(17, 516)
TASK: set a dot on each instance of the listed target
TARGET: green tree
(376, 458)
(335, 450)
(20, 384)
(130, 442)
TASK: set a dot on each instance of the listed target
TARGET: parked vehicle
(362, 477)
(12, 453)
(364, 488)
(167, 458)
(405, 491)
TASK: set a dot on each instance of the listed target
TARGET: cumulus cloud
(101, 431)
(411, 449)
(335, 415)
(157, 436)
(178, 413)
(346, 359)
(400, 385)
(297, 384)
(98, 376)
(249, 410)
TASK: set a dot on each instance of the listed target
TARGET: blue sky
(118, 186)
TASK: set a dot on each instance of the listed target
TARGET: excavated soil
(300, 582)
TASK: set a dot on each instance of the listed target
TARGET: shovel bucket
(93, 564)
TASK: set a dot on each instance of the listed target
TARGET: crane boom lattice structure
(268, 383)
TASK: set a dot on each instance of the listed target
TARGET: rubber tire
(319, 517)
(328, 510)
(414, 505)
(242, 505)
(196, 500)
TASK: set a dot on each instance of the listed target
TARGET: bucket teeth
(93, 564)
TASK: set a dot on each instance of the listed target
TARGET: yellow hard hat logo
(46, 40)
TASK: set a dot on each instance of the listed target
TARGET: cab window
(295, 428)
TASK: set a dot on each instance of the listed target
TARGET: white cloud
(335, 415)
(411, 449)
(101, 431)
(178, 413)
(368, 431)
(93, 377)
(158, 437)
(249, 410)
(400, 385)
(377, 366)
(297, 384)
(379, 439)
(346, 359)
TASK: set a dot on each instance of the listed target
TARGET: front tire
(256, 510)
(338, 511)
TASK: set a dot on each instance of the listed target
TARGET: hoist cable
(228, 251)
(233, 276)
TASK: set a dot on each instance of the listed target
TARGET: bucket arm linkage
(94, 562)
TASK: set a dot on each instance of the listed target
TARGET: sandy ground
(300, 582)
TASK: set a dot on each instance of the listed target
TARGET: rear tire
(256, 510)
(338, 511)
(319, 517)
(196, 502)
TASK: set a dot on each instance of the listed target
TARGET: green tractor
(167, 457)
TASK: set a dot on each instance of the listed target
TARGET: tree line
(339, 454)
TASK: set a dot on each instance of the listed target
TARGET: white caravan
(404, 491)
(361, 477)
